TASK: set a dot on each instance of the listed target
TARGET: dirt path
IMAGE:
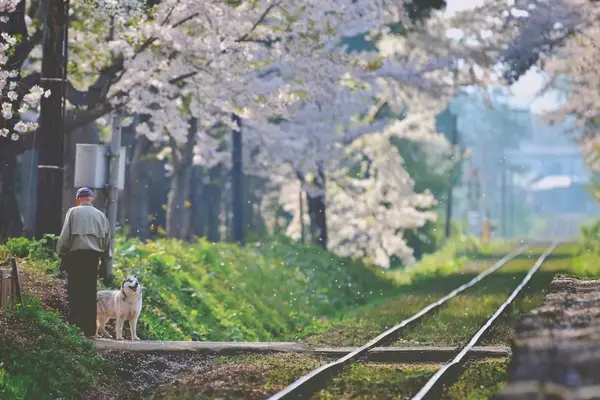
(556, 351)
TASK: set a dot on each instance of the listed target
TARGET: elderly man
(84, 241)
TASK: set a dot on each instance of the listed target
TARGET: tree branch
(101, 105)
(90, 115)
(258, 22)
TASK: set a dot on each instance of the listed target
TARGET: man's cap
(84, 192)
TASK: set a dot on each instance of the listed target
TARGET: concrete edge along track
(319, 377)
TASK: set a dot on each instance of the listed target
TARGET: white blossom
(6, 111)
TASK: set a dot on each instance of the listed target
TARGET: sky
(453, 6)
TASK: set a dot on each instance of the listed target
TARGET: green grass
(275, 291)
(204, 291)
(238, 377)
(42, 358)
(455, 322)
(258, 376)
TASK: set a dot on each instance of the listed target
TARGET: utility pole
(454, 142)
(52, 115)
(503, 198)
(113, 182)
(511, 204)
(237, 192)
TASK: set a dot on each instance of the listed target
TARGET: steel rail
(436, 380)
(313, 381)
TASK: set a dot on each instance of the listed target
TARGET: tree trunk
(128, 139)
(138, 198)
(237, 185)
(212, 200)
(254, 223)
(196, 197)
(302, 228)
(28, 188)
(178, 210)
(158, 188)
(317, 212)
(11, 224)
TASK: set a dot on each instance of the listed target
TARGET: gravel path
(556, 350)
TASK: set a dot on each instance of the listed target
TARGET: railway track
(319, 378)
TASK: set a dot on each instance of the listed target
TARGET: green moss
(378, 381)
(481, 380)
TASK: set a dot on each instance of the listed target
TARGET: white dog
(124, 304)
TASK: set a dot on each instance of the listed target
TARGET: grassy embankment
(452, 325)
(284, 291)
(192, 291)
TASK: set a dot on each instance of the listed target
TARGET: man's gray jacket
(85, 228)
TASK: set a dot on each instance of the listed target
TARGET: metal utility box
(91, 166)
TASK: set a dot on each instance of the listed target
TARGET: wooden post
(5, 280)
(16, 283)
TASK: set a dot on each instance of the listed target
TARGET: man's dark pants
(82, 270)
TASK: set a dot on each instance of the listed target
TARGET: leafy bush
(18, 246)
(35, 249)
(43, 358)
(590, 237)
(205, 291)
(40, 251)
(587, 251)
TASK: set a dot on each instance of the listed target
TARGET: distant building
(554, 179)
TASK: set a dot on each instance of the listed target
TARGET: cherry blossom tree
(8, 6)
(255, 69)
(337, 152)
(261, 60)
(555, 36)
(9, 94)
(18, 94)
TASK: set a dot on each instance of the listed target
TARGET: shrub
(35, 249)
(40, 251)
(19, 247)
